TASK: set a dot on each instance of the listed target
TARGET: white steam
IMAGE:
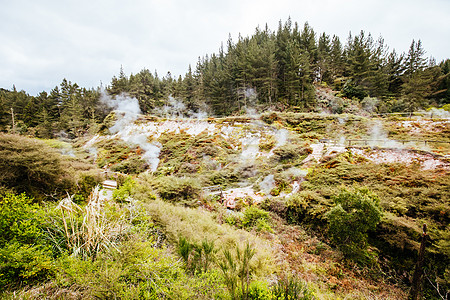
(438, 113)
(281, 136)
(175, 109)
(379, 137)
(250, 146)
(267, 184)
(127, 111)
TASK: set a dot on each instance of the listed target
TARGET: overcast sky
(44, 41)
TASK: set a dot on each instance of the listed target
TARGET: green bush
(259, 290)
(291, 288)
(24, 257)
(256, 217)
(137, 271)
(175, 189)
(355, 214)
(237, 271)
(29, 165)
(133, 165)
(197, 257)
(24, 264)
(306, 207)
(85, 184)
(125, 190)
(286, 153)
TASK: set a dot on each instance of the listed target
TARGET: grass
(197, 225)
(83, 232)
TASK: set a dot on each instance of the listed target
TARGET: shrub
(237, 271)
(134, 165)
(85, 184)
(29, 165)
(83, 231)
(306, 207)
(354, 215)
(24, 264)
(259, 290)
(291, 288)
(286, 153)
(197, 225)
(24, 257)
(197, 257)
(175, 189)
(254, 216)
(125, 190)
(137, 271)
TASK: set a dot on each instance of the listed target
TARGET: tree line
(277, 69)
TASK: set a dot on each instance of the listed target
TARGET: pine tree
(444, 87)
(71, 108)
(324, 72)
(415, 61)
(395, 69)
(119, 84)
(418, 80)
(337, 58)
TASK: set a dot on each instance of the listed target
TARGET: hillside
(258, 206)
(293, 68)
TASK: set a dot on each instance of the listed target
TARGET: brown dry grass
(323, 269)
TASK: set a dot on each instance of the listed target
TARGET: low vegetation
(333, 227)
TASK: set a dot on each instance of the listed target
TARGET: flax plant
(83, 232)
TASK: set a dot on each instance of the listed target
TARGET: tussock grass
(197, 225)
(84, 232)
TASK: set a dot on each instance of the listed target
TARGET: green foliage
(256, 217)
(19, 220)
(287, 153)
(197, 257)
(85, 184)
(24, 264)
(197, 224)
(259, 290)
(237, 271)
(137, 271)
(175, 189)
(125, 190)
(24, 257)
(355, 214)
(249, 218)
(306, 207)
(350, 90)
(29, 165)
(132, 165)
(84, 231)
(291, 288)
(113, 152)
(446, 107)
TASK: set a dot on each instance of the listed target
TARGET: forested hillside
(271, 69)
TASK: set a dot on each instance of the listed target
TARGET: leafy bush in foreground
(24, 257)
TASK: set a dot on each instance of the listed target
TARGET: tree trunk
(13, 123)
(416, 287)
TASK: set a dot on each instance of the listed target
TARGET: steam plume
(127, 111)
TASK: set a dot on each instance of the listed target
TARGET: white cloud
(87, 41)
